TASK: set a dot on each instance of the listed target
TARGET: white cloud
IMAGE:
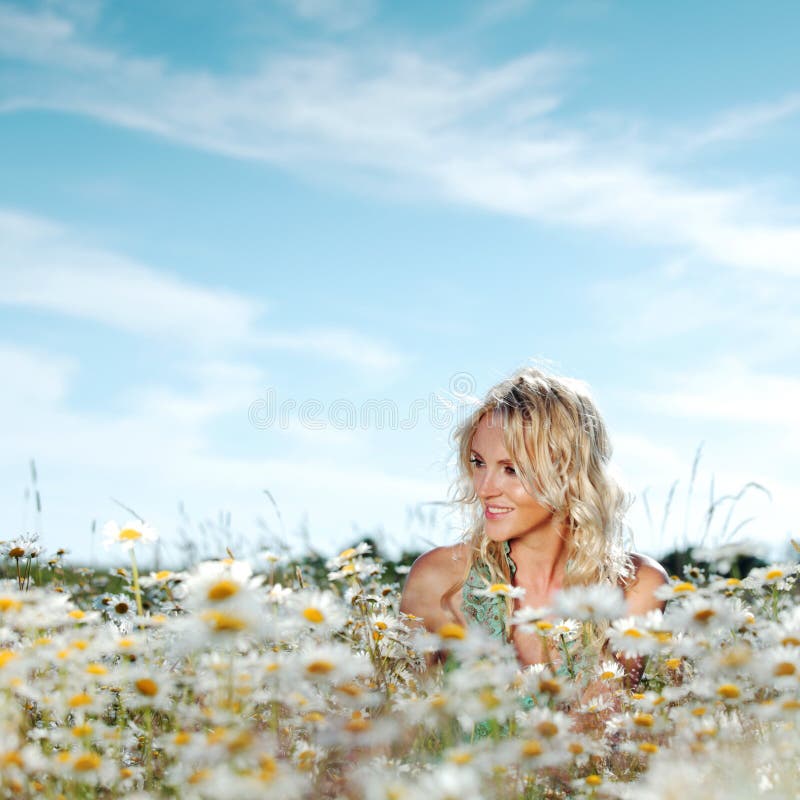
(734, 392)
(45, 266)
(483, 136)
(340, 344)
(747, 121)
(337, 15)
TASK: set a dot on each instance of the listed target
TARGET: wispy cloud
(46, 266)
(734, 392)
(341, 344)
(483, 136)
(336, 15)
(747, 121)
(757, 313)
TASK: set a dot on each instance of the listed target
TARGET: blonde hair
(561, 450)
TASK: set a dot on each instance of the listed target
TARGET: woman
(547, 515)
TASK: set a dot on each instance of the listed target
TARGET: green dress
(490, 612)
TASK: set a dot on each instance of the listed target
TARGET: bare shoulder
(450, 560)
(648, 576)
(431, 575)
(647, 570)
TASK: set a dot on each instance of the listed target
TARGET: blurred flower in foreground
(132, 533)
(26, 546)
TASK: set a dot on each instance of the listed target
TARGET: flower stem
(137, 592)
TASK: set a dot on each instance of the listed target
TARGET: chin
(498, 535)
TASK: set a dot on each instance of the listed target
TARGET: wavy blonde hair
(561, 450)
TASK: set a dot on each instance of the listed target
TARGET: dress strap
(512, 567)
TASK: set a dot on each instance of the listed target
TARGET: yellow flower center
(96, 669)
(649, 748)
(548, 686)
(489, 699)
(147, 687)
(78, 700)
(593, 780)
(684, 586)
(12, 757)
(222, 590)
(704, 614)
(198, 776)
(643, 720)
(268, 768)
(531, 748)
(547, 728)
(313, 615)
(783, 669)
(87, 762)
(451, 630)
(10, 604)
(129, 535)
(320, 667)
(349, 553)
(460, 758)
(181, 738)
(774, 574)
(6, 656)
(224, 623)
(730, 691)
(357, 725)
(499, 587)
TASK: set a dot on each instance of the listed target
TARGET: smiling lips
(496, 512)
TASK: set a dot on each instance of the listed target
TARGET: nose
(486, 484)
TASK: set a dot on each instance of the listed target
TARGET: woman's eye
(511, 471)
(476, 462)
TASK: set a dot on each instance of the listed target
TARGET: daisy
(630, 637)
(595, 602)
(315, 611)
(501, 590)
(132, 533)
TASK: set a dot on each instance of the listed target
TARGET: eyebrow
(503, 461)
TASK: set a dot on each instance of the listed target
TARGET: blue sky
(207, 205)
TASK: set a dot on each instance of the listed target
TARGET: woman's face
(509, 510)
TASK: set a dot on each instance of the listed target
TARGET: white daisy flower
(595, 602)
(128, 536)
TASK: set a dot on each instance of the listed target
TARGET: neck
(541, 556)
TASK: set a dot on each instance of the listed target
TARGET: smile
(493, 512)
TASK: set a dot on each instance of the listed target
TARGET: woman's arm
(640, 597)
(431, 575)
